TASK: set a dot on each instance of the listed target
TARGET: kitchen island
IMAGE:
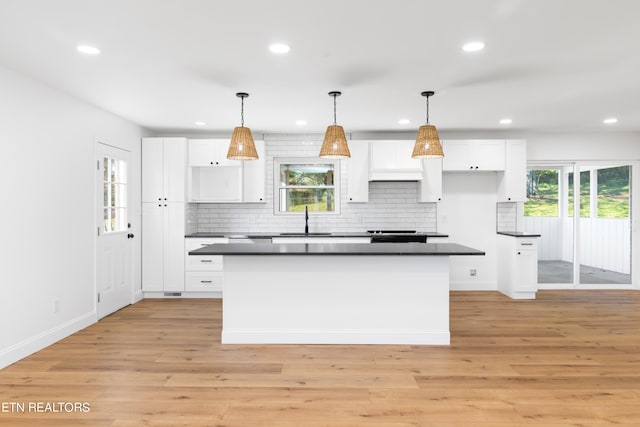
(387, 293)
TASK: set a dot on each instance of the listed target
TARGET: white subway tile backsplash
(392, 205)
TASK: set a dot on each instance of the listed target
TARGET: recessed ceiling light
(301, 122)
(610, 121)
(506, 121)
(279, 48)
(200, 123)
(473, 46)
(404, 121)
(89, 50)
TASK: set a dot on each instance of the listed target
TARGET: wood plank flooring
(569, 358)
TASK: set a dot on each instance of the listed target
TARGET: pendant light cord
(334, 110)
(427, 109)
(242, 111)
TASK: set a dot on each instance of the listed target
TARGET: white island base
(336, 299)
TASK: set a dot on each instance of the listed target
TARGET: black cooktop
(391, 231)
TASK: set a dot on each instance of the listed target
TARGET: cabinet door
(152, 247)
(487, 155)
(152, 170)
(173, 261)
(430, 188)
(358, 173)
(202, 152)
(526, 270)
(175, 167)
(456, 156)
(254, 175)
(512, 185)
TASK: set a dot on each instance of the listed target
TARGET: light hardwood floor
(569, 358)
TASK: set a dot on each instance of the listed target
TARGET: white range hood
(391, 161)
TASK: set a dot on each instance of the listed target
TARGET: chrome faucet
(306, 220)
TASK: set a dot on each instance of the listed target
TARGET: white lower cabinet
(162, 243)
(518, 267)
(203, 273)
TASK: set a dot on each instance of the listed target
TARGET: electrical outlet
(56, 305)
(473, 272)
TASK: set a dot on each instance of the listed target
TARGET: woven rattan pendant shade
(242, 146)
(427, 143)
(335, 145)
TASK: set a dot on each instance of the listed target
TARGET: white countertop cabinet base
(518, 267)
(318, 299)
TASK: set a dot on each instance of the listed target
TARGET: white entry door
(114, 239)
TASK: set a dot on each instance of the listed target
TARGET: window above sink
(310, 183)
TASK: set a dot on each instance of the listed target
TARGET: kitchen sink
(304, 234)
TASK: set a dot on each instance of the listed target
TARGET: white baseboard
(137, 297)
(38, 342)
(473, 285)
(368, 336)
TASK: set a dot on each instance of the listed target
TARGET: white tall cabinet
(163, 213)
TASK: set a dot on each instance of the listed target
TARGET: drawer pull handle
(206, 281)
(206, 260)
(526, 244)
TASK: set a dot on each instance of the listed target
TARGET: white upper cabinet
(474, 155)
(391, 160)
(254, 177)
(210, 152)
(213, 178)
(430, 188)
(512, 185)
(164, 169)
(358, 172)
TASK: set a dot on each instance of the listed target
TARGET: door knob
(130, 236)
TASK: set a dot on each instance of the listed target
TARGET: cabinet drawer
(203, 282)
(203, 263)
(524, 244)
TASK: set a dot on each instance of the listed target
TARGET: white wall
(467, 213)
(48, 211)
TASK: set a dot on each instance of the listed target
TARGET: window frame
(278, 162)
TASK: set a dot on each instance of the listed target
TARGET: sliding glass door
(545, 213)
(585, 240)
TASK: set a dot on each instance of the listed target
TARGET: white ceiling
(165, 64)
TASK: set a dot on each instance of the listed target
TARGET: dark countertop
(427, 249)
(268, 235)
(518, 234)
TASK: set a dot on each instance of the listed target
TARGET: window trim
(278, 161)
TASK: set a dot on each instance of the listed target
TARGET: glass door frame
(634, 209)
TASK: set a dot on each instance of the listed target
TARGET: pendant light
(427, 142)
(335, 145)
(242, 146)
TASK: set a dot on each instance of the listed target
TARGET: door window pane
(542, 193)
(114, 194)
(585, 199)
(613, 192)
